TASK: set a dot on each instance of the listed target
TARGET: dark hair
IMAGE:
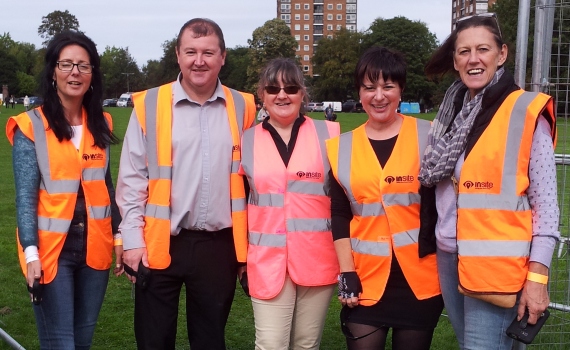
(92, 100)
(441, 61)
(284, 68)
(379, 60)
(202, 27)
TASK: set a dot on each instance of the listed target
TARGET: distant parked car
(348, 106)
(36, 101)
(358, 108)
(315, 107)
(20, 101)
(110, 102)
(125, 100)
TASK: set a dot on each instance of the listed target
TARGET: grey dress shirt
(201, 166)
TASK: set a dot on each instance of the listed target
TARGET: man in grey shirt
(180, 197)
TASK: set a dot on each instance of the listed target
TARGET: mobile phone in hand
(524, 331)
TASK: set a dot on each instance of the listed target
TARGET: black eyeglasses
(289, 90)
(344, 319)
(67, 66)
(485, 14)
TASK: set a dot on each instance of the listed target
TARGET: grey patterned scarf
(444, 148)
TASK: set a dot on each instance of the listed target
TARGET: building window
(306, 6)
(298, 47)
(297, 6)
(338, 27)
(329, 6)
(330, 17)
(285, 0)
(297, 37)
(285, 6)
(339, 6)
(306, 17)
(286, 18)
(297, 27)
(329, 36)
(351, 27)
(339, 17)
(297, 17)
(329, 27)
(306, 27)
(306, 47)
(306, 58)
(306, 37)
(306, 68)
(351, 8)
(351, 1)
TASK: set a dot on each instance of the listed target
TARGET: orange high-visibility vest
(289, 210)
(385, 203)
(154, 112)
(62, 170)
(494, 219)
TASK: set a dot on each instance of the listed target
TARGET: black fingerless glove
(349, 285)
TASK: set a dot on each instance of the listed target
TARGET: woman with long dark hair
(65, 204)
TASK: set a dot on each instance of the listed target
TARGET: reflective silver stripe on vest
(247, 163)
(157, 211)
(402, 239)
(308, 225)
(404, 199)
(93, 174)
(267, 240)
(235, 166)
(53, 225)
(40, 141)
(323, 135)
(238, 204)
(99, 212)
(344, 164)
(370, 248)
(507, 199)
(483, 248)
(155, 171)
(267, 199)
(368, 209)
(304, 187)
(239, 105)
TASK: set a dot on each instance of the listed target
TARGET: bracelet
(118, 241)
(537, 277)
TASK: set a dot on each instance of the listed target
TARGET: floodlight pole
(128, 87)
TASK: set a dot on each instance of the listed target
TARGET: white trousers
(294, 319)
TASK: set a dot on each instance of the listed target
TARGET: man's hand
(132, 258)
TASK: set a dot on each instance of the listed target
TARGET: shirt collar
(178, 93)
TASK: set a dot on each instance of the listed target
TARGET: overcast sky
(143, 25)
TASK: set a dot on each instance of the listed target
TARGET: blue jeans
(67, 315)
(477, 324)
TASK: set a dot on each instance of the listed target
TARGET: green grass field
(115, 325)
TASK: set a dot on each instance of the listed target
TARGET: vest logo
(478, 185)
(236, 148)
(309, 174)
(93, 156)
(400, 179)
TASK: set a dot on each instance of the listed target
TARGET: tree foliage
(56, 22)
(234, 71)
(120, 72)
(334, 62)
(414, 40)
(273, 39)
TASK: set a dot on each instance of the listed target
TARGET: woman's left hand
(534, 295)
(119, 269)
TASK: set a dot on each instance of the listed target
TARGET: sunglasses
(486, 14)
(289, 90)
(344, 319)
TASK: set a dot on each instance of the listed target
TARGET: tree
(120, 72)
(27, 84)
(334, 63)
(56, 22)
(8, 72)
(273, 39)
(414, 40)
(234, 71)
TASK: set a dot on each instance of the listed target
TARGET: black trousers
(205, 262)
